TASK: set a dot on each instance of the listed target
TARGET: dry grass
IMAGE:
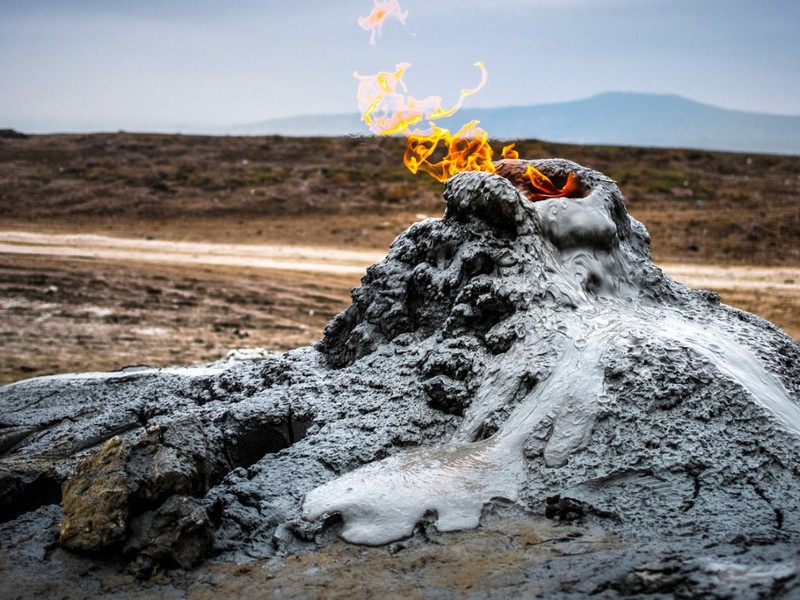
(708, 207)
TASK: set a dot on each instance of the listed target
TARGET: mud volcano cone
(575, 367)
(513, 353)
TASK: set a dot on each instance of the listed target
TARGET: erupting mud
(515, 354)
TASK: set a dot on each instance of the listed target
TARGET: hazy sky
(191, 64)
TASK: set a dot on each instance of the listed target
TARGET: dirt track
(333, 260)
(277, 257)
(68, 312)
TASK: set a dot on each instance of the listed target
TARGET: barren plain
(283, 228)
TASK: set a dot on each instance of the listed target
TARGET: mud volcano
(512, 358)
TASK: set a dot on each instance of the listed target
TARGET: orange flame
(467, 150)
(387, 110)
(374, 20)
(509, 152)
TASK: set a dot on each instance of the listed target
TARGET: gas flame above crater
(387, 109)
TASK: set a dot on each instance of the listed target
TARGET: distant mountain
(613, 118)
(327, 125)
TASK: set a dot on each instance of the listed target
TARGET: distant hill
(613, 118)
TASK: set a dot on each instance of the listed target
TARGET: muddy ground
(495, 561)
(67, 315)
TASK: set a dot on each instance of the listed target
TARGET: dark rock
(23, 489)
(178, 533)
(127, 476)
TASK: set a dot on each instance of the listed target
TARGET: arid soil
(701, 207)
(85, 312)
(497, 557)
(68, 314)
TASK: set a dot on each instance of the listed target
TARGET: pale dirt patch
(331, 260)
(717, 277)
(263, 256)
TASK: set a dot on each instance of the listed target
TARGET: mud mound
(512, 357)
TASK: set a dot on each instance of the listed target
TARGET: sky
(202, 65)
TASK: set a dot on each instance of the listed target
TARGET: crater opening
(516, 171)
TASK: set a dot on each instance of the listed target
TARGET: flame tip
(381, 10)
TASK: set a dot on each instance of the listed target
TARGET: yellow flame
(509, 152)
(374, 20)
(467, 150)
(387, 109)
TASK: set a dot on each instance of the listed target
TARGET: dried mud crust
(531, 352)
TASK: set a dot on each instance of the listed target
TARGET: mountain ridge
(609, 118)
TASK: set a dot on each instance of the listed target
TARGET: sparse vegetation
(742, 208)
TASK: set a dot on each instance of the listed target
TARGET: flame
(374, 20)
(548, 189)
(509, 152)
(387, 109)
(467, 150)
